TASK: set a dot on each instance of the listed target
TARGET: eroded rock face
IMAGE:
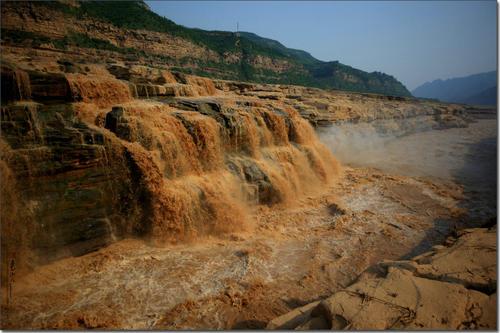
(76, 190)
(389, 115)
(451, 287)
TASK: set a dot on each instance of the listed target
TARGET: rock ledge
(451, 287)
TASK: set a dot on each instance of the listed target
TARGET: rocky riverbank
(453, 286)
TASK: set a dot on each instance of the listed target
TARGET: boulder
(262, 189)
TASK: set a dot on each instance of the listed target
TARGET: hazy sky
(416, 41)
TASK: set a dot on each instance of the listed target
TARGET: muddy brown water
(291, 256)
(467, 156)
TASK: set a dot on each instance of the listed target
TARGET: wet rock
(49, 87)
(180, 77)
(120, 72)
(114, 121)
(75, 183)
(20, 124)
(265, 95)
(15, 84)
(141, 74)
(335, 209)
(250, 172)
(69, 67)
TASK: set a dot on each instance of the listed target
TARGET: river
(467, 156)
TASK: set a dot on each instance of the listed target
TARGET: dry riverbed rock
(451, 287)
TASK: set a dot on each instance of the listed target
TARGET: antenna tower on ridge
(237, 34)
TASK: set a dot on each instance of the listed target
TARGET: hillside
(138, 34)
(474, 89)
(485, 97)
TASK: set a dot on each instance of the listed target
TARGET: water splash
(200, 170)
(101, 91)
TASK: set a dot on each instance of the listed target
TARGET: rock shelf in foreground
(451, 287)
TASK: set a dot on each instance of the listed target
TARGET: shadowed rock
(436, 290)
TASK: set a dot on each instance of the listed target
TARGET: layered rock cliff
(128, 30)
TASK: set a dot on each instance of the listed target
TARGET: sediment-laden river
(292, 255)
(467, 156)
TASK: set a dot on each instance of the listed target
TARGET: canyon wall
(130, 31)
(53, 26)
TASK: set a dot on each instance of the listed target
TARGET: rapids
(203, 170)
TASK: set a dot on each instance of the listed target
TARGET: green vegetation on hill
(72, 39)
(303, 68)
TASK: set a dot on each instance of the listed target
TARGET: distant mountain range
(132, 29)
(477, 89)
